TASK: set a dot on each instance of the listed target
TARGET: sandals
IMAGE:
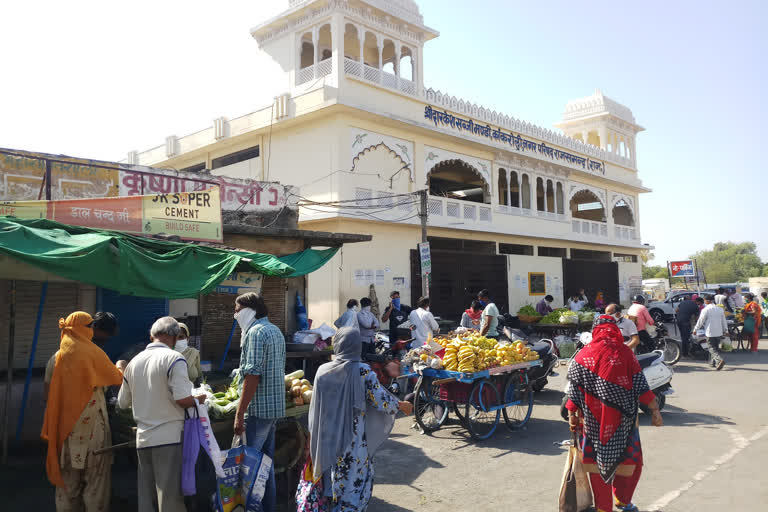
(629, 507)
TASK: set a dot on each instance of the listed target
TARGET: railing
(319, 70)
(624, 232)
(377, 76)
(459, 210)
(517, 210)
(590, 228)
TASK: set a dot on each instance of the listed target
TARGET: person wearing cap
(191, 354)
(396, 314)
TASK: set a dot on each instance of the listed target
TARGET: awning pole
(9, 384)
(229, 342)
(20, 423)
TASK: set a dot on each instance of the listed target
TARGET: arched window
(525, 191)
(540, 197)
(622, 214)
(388, 56)
(514, 188)
(503, 187)
(406, 63)
(457, 179)
(586, 205)
(307, 50)
(351, 42)
(622, 148)
(559, 198)
(550, 197)
(371, 50)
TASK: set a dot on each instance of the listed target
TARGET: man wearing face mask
(368, 324)
(349, 317)
(191, 354)
(626, 326)
(423, 323)
(396, 314)
(262, 370)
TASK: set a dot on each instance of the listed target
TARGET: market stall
(477, 378)
(560, 322)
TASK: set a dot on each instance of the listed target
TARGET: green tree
(729, 262)
(654, 271)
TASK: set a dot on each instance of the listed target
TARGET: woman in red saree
(606, 385)
(754, 309)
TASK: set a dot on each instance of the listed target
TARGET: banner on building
(426, 260)
(239, 283)
(683, 268)
(189, 215)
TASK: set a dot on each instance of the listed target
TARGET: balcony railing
(319, 70)
(590, 228)
(459, 210)
(527, 212)
(624, 232)
(378, 76)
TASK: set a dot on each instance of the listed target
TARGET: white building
(517, 208)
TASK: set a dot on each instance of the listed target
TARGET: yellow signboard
(190, 215)
(25, 209)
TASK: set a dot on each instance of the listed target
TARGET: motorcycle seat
(375, 358)
(540, 347)
(646, 360)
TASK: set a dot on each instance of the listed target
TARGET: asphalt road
(708, 456)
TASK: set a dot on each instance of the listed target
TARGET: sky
(97, 79)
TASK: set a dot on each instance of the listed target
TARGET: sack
(309, 494)
(575, 490)
(246, 471)
(749, 325)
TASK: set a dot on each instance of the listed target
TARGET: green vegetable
(527, 310)
(222, 402)
(219, 395)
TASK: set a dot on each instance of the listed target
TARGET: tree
(654, 271)
(646, 255)
(729, 262)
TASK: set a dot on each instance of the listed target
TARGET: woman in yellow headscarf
(76, 422)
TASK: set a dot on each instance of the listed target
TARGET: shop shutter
(273, 291)
(61, 300)
(135, 316)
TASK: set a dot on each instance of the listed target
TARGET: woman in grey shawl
(350, 416)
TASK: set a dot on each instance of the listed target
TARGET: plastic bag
(198, 473)
(246, 471)
(208, 440)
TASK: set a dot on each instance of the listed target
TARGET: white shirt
(347, 319)
(720, 299)
(627, 327)
(712, 320)
(423, 323)
(576, 305)
(152, 383)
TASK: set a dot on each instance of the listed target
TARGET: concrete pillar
(380, 47)
(315, 41)
(337, 49)
(509, 187)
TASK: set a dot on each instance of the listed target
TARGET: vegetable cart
(478, 399)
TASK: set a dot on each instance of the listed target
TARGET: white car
(663, 311)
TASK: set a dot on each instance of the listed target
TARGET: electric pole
(423, 216)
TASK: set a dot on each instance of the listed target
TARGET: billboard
(189, 215)
(683, 268)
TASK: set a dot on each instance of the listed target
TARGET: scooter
(658, 375)
(670, 347)
(385, 363)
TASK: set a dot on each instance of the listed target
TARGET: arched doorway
(622, 214)
(456, 179)
(587, 206)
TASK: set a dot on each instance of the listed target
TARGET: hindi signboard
(426, 260)
(683, 268)
(189, 215)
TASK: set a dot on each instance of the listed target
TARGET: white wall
(519, 266)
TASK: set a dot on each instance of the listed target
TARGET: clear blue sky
(97, 79)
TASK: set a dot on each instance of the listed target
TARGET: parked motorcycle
(537, 375)
(385, 363)
(657, 373)
(660, 341)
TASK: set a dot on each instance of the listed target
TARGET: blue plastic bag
(246, 471)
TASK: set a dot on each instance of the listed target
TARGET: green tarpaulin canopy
(134, 265)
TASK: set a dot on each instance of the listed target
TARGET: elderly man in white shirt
(712, 321)
(156, 386)
(422, 323)
(626, 326)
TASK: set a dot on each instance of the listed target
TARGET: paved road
(709, 456)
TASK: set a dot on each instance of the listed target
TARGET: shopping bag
(198, 475)
(246, 471)
(309, 494)
(749, 325)
(208, 440)
(575, 490)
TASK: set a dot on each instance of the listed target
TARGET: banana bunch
(467, 359)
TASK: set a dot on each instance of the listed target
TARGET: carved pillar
(380, 47)
(315, 41)
(509, 187)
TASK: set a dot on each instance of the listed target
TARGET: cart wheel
(481, 412)
(429, 410)
(457, 410)
(519, 395)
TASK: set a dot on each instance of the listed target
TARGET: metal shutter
(135, 316)
(61, 300)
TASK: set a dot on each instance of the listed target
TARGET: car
(664, 311)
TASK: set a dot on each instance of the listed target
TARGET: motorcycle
(548, 354)
(385, 362)
(669, 347)
(657, 373)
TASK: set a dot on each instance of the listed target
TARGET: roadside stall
(478, 379)
(560, 322)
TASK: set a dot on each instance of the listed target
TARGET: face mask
(396, 303)
(181, 345)
(367, 308)
(482, 303)
(245, 318)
